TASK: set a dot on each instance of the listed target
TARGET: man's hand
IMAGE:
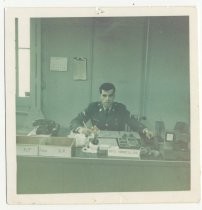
(88, 131)
(85, 131)
(95, 130)
(148, 134)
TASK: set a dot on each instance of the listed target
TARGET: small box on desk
(56, 147)
(27, 146)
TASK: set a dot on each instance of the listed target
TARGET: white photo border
(96, 198)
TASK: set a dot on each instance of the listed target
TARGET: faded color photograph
(102, 104)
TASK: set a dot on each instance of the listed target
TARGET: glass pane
(24, 72)
(24, 32)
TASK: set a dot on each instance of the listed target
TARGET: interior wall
(118, 57)
(168, 66)
(22, 111)
(115, 49)
(62, 96)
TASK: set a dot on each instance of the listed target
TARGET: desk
(38, 175)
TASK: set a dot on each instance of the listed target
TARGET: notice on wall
(79, 68)
(58, 64)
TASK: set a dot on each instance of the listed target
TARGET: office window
(23, 72)
(23, 56)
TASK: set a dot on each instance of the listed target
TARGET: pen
(84, 124)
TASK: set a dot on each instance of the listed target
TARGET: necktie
(107, 111)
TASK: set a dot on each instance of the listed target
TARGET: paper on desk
(108, 141)
(81, 139)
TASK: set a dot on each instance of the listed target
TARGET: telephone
(46, 127)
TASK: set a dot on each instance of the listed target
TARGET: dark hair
(107, 86)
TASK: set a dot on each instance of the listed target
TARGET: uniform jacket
(114, 119)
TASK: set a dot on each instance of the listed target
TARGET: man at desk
(107, 114)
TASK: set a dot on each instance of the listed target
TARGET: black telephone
(46, 127)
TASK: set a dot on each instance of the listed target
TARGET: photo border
(97, 198)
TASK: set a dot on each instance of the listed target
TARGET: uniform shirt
(114, 119)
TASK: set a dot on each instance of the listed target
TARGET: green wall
(114, 48)
(119, 57)
(168, 84)
(62, 97)
(149, 64)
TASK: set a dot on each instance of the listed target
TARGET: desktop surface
(98, 172)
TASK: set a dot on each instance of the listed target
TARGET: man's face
(107, 98)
